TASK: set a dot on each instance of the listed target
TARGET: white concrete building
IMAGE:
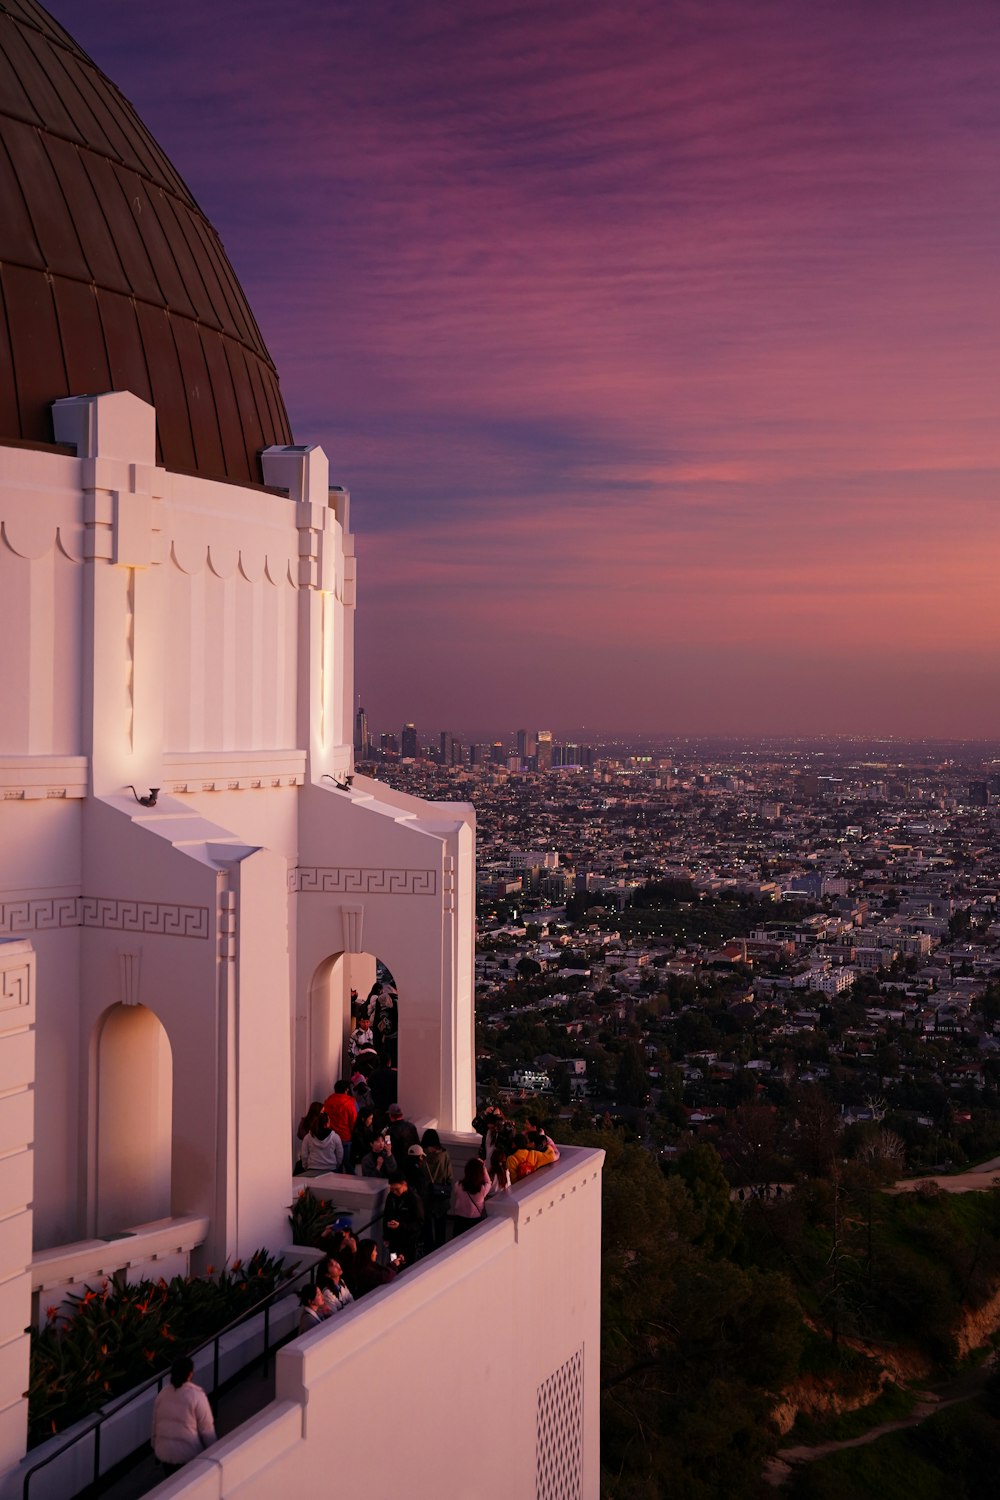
(191, 878)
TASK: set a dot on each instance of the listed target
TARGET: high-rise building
(388, 744)
(543, 750)
(525, 746)
(499, 753)
(444, 755)
(362, 743)
(408, 747)
(191, 879)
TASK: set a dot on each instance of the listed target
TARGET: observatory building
(192, 877)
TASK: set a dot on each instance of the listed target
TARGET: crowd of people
(425, 1204)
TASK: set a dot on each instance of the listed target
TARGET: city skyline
(657, 346)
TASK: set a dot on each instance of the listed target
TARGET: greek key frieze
(26, 914)
(155, 917)
(38, 914)
(346, 880)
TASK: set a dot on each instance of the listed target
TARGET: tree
(631, 1082)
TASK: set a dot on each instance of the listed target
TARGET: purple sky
(657, 343)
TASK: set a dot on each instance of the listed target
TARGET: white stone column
(17, 1130)
(115, 437)
(305, 474)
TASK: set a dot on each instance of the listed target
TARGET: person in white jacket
(182, 1418)
(322, 1148)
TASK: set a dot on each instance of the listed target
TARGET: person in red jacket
(341, 1111)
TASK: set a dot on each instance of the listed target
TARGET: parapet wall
(475, 1376)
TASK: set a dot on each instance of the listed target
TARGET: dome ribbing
(111, 277)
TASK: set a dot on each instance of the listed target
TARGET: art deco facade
(177, 589)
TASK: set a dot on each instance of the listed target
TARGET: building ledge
(232, 770)
(24, 778)
(84, 1259)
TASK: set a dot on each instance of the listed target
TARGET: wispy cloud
(662, 329)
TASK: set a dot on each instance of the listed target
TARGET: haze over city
(657, 343)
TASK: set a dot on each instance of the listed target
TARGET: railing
(114, 1407)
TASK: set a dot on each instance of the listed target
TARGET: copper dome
(111, 277)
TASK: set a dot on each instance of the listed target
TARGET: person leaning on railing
(468, 1197)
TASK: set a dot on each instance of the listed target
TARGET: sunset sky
(658, 343)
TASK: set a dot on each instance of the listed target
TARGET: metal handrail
(118, 1403)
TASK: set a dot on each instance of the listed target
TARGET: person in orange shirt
(528, 1155)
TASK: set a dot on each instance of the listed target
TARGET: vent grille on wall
(559, 1443)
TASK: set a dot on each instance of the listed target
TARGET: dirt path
(962, 1388)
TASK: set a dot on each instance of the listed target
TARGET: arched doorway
(133, 1096)
(348, 989)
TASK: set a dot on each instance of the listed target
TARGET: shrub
(311, 1219)
(120, 1334)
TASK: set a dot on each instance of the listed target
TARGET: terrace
(534, 1255)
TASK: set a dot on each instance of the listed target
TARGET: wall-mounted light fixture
(149, 801)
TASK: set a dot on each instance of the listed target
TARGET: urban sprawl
(697, 936)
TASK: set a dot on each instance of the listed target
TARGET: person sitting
(379, 1162)
(468, 1197)
(322, 1149)
(402, 1133)
(312, 1308)
(182, 1419)
(369, 1275)
(335, 1291)
(402, 1220)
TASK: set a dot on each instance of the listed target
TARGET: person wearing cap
(402, 1133)
(416, 1170)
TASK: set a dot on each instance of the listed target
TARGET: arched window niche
(133, 1099)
